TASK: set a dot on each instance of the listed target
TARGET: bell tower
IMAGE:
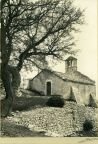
(70, 64)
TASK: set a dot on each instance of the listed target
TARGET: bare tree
(30, 31)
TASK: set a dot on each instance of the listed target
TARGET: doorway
(48, 88)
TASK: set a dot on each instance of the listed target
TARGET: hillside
(49, 121)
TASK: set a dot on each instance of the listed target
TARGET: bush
(55, 101)
(88, 125)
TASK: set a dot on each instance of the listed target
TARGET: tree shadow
(10, 129)
(24, 103)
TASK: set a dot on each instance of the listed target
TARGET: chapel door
(48, 88)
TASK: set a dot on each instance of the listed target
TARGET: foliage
(55, 101)
(88, 125)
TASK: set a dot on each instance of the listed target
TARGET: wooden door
(48, 88)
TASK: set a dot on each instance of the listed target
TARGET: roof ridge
(85, 76)
(68, 73)
(81, 78)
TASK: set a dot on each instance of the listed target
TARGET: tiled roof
(74, 76)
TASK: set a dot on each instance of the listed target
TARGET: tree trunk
(6, 104)
(11, 80)
(9, 75)
(16, 78)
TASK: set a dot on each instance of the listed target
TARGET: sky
(87, 41)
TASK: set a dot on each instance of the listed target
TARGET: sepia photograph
(48, 69)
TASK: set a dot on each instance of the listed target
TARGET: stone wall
(61, 121)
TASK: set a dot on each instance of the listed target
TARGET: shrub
(55, 101)
(88, 125)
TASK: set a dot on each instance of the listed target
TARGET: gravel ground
(28, 124)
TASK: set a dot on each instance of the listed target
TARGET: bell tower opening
(70, 64)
